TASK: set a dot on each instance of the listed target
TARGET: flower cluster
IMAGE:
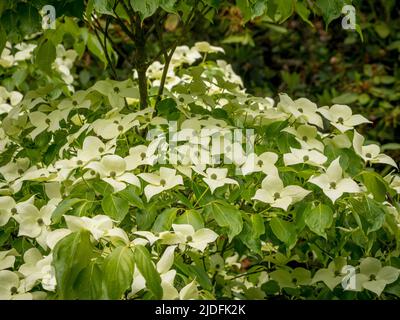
(104, 200)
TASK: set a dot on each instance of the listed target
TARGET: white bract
(9, 208)
(307, 136)
(112, 128)
(216, 177)
(302, 109)
(7, 259)
(274, 193)
(341, 117)
(265, 163)
(205, 47)
(37, 268)
(370, 153)
(43, 122)
(185, 234)
(98, 226)
(112, 169)
(35, 223)
(333, 184)
(12, 288)
(311, 157)
(167, 179)
(374, 277)
(8, 99)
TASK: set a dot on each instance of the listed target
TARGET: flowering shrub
(207, 193)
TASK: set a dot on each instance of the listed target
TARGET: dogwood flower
(341, 117)
(150, 237)
(216, 177)
(92, 149)
(78, 100)
(332, 182)
(374, 277)
(117, 91)
(167, 179)
(229, 74)
(291, 278)
(14, 169)
(265, 163)
(112, 169)
(302, 109)
(138, 156)
(183, 54)
(98, 226)
(65, 57)
(8, 99)
(6, 58)
(9, 208)
(24, 51)
(205, 47)
(37, 268)
(394, 181)
(113, 127)
(370, 153)
(34, 223)
(12, 288)
(42, 121)
(273, 192)
(307, 137)
(332, 275)
(185, 234)
(311, 157)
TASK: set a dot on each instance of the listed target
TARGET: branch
(104, 46)
(167, 56)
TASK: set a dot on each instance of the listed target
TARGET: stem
(141, 61)
(165, 72)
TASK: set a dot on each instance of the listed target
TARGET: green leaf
(115, 207)
(250, 238)
(103, 6)
(167, 108)
(303, 12)
(45, 56)
(3, 39)
(95, 47)
(102, 187)
(345, 98)
(258, 224)
(191, 217)
(148, 271)
(146, 8)
(227, 216)
(63, 207)
(164, 220)
(319, 219)
(129, 194)
(88, 285)
(29, 18)
(330, 9)
(70, 256)
(382, 29)
(370, 211)
(284, 9)
(284, 231)
(375, 184)
(118, 272)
